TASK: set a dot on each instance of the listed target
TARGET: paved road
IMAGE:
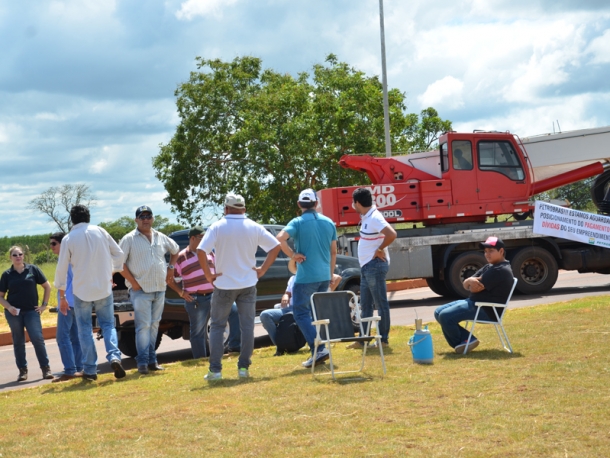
(405, 306)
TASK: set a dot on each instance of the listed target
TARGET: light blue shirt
(69, 293)
(312, 234)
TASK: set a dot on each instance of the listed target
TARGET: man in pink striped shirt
(197, 295)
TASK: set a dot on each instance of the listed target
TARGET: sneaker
(64, 378)
(320, 358)
(474, 343)
(155, 367)
(355, 346)
(90, 377)
(23, 374)
(212, 376)
(47, 374)
(119, 372)
(143, 369)
(383, 345)
(242, 372)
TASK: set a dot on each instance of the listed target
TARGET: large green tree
(268, 135)
(125, 224)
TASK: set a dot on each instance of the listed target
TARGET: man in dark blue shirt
(491, 283)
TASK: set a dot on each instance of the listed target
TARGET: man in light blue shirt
(67, 330)
(315, 242)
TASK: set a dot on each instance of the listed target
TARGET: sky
(87, 86)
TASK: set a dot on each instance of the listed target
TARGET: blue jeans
(373, 292)
(30, 320)
(104, 311)
(222, 304)
(147, 308)
(301, 304)
(450, 315)
(199, 312)
(67, 341)
(270, 318)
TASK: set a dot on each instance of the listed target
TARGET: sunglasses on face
(145, 217)
(17, 255)
(54, 243)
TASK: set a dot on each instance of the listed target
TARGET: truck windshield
(499, 156)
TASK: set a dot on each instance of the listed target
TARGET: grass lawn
(551, 398)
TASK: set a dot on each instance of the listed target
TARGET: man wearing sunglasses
(147, 275)
(67, 330)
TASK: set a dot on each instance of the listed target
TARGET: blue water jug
(421, 346)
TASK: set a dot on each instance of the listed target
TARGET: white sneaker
(211, 376)
(320, 358)
(242, 372)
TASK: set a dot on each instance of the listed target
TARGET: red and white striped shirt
(188, 267)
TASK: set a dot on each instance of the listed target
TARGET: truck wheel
(535, 270)
(354, 288)
(127, 343)
(438, 286)
(462, 267)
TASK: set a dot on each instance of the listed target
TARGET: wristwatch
(171, 266)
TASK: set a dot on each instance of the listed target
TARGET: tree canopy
(125, 224)
(268, 135)
(57, 201)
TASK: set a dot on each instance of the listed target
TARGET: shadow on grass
(495, 354)
(229, 383)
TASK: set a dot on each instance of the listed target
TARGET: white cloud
(600, 48)
(193, 8)
(446, 92)
(99, 166)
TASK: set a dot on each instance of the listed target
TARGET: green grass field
(550, 398)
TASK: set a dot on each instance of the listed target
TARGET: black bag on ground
(288, 337)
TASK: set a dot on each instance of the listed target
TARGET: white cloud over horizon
(87, 87)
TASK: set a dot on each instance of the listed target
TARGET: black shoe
(155, 367)
(143, 369)
(23, 374)
(47, 374)
(119, 372)
(90, 377)
(231, 351)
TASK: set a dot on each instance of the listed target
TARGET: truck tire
(127, 342)
(462, 267)
(439, 287)
(535, 270)
(354, 288)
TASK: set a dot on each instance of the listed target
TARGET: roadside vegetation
(550, 398)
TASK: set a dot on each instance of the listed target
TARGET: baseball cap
(196, 230)
(235, 201)
(143, 209)
(493, 242)
(308, 195)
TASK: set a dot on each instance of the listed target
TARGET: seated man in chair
(492, 283)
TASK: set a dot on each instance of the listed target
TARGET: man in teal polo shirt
(315, 242)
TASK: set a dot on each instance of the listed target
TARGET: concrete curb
(49, 333)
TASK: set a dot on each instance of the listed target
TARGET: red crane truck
(448, 195)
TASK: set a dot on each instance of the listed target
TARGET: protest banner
(570, 224)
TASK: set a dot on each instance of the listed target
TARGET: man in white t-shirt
(375, 236)
(235, 240)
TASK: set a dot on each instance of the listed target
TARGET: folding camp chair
(495, 312)
(333, 321)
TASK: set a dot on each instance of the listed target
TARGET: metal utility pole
(384, 82)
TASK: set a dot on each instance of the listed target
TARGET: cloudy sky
(87, 86)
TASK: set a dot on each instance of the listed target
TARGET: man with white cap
(235, 239)
(491, 283)
(315, 242)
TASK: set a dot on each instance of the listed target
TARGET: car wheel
(225, 335)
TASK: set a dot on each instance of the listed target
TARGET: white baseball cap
(308, 195)
(235, 201)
